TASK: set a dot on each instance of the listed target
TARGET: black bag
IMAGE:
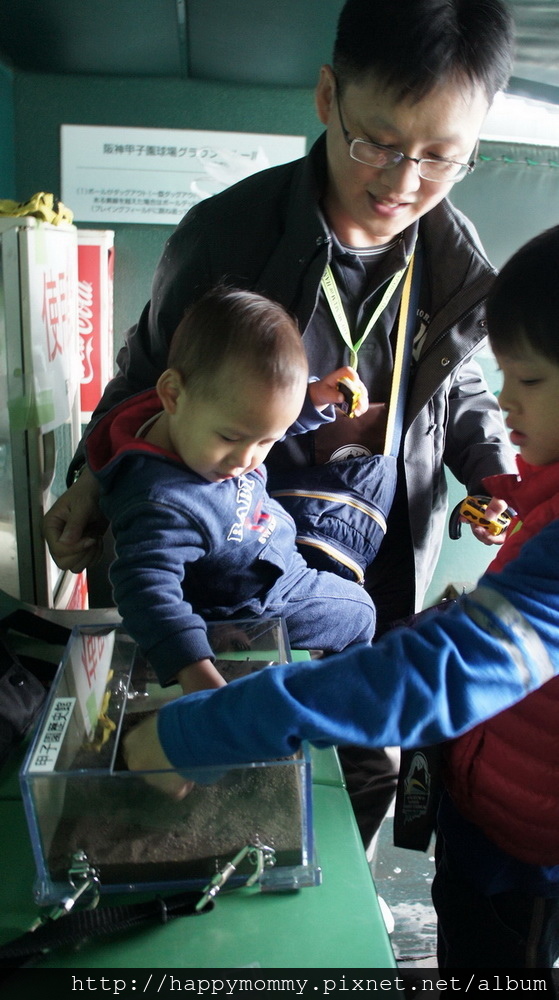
(340, 508)
(418, 795)
(21, 698)
(24, 679)
(420, 781)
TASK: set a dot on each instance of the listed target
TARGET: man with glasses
(402, 105)
(375, 154)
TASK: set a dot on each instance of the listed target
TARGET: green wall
(7, 160)
(43, 102)
(512, 195)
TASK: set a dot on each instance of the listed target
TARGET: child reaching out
(496, 888)
(182, 483)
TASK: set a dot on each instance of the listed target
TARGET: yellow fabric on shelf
(41, 205)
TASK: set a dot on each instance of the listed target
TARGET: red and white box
(95, 315)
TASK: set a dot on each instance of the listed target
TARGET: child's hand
(199, 676)
(325, 392)
(143, 752)
(488, 517)
(142, 748)
(491, 513)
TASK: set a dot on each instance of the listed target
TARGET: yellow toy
(473, 509)
(351, 394)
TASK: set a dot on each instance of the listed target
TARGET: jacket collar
(305, 246)
(534, 484)
(458, 289)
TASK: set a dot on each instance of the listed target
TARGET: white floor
(403, 879)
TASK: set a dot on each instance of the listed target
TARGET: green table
(334, 925)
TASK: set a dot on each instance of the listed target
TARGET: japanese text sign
(113, 174)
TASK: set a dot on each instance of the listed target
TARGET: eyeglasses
(374, 154)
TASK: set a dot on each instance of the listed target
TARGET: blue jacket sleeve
(157, 546)
(415, 686)
(310, 419)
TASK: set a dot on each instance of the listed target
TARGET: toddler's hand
(325, 392)
(199, 676)
(142, 748)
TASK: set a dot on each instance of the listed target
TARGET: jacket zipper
(345, 498)
(334, 553)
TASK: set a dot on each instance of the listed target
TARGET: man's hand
(143, 752)
(74, 526)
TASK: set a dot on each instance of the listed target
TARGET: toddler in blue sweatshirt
(197, 536)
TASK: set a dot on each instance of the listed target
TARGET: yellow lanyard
(330, 288)
(333, 296)
(399, 355)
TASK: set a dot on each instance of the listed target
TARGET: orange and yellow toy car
(473, 510)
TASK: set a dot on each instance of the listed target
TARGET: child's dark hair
(523, 304)
(230, 326)
(413, 45)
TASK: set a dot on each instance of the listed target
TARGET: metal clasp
(82, 877)
(258, 854)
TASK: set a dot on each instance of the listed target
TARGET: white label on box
(52, 736)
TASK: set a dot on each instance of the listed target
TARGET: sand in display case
(82, 802)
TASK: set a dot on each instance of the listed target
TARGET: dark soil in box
(133, 833)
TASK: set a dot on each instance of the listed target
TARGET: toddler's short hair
(523, 303)
(241, 329)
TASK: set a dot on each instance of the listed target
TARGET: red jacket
(504, 774)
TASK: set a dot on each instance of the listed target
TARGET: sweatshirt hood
(114, 436)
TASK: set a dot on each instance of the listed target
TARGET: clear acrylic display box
(81, 801)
